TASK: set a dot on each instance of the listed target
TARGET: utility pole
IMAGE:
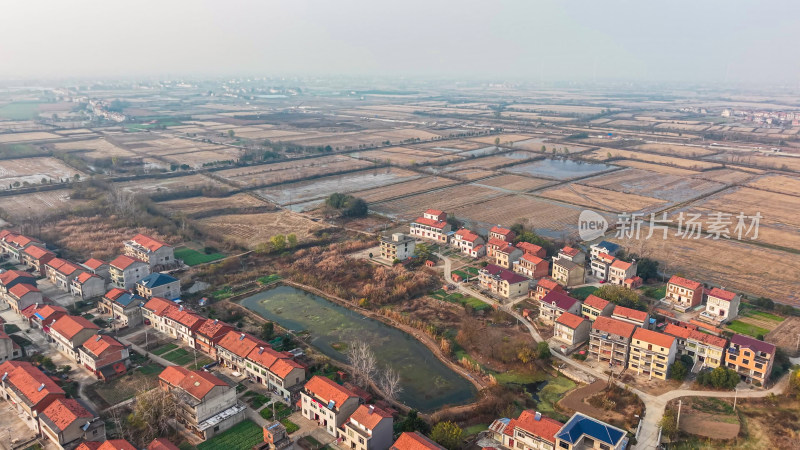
(735, 395)
(678, 420)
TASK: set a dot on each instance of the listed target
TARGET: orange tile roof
(111, 444)
(685, 283)
(124, 261)
(55, 263)
(27, 380)
(596, 302)
(240, 344)
(415, 441)
(46, 311)
(85, 276)
(101, 344)
(531, 258)
(467, 235)
(38, 252)
(114, 293)
(527, 247)
(653, 337)
(500, 230)
(184, 317)
(629, 313)
(707, 327)
(708, 339)
(431, 222)
(548, 283)
(63, 412)
(94, 263)
(10, 275)
(283, 367)
(570, 251)
(197, 383)
(495, 242)
(213, 328)
(327, 390)
(158, 305)
(264, 356)
(674, 330)
(620, 264)
(369, 416)
(21, 289)
(161, 444)
(434, 212)
(507, 249)
(570, 320)
(614, 326)
(68, 268)
(722, 294)
(545, 428)
(69, 326)
(148, 242)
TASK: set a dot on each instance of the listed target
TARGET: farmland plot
(33, 170)
(471, 174)
(197, 159)
(673, 188)
(423, 184)
(452, 145)
(762, 161)
(400, 155)
(169, 184)
(249, 230)
(504, 138)
(489, 162)
(93, 148)
(38, 204)
(194, 205)
(517, 183)
(774, 207)
(318, 188)
(602, 199)
(777, 183)
(559, 169)
(603, 155)
(28, 137)
(447, 199)
(674, 149)
(291, 170)
(658, 168)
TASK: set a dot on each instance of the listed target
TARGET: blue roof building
(606, 247)
(159, 285)
(582, 431)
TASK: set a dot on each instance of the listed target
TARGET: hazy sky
(671, 40)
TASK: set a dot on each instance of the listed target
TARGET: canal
(428, 384)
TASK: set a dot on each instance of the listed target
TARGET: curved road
(654, 405)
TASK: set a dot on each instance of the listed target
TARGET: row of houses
(532, 430)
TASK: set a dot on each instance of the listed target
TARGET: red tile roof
(548, 283)
(614, 326)
(68, 268)
(415, 441)
(527, 247)
(507, 249)
(653, 337)
(10, 275)
(112, 444)
(114, 293)
(63, 412)
(708, 339)
(94, 263)
(161, 444)
(55, 263)
(570, 320)
(569, 251)
(148, 242)
(124, 261)
(369, 416)
(467, 235)
(38, 252)
(102, 343)
(500, 230)
(596, 302)
(213, 328)
(620, 264)
(264, 356)
(431, 222)
(21, 289)
(605, 257)
(545, 428)
(434, 212)
(197, 383)
(327, 390)
(495, 242)
(158, 305)
(69, 326)
(46, 311)
(683, 282)
(531, 258)
(28, 380)
(184, 317)
(85, 276)
(722, 294)
(561, 300)
(629, 313)
(240, 344)
(674, 330)
(284, 366)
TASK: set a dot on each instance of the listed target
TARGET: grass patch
(20, 110)
(258, 400)
(747, 328)
(763, 315)
(291, 427)
(269, 279)
(200, 363)
(475, 429)
(179, 356)
(462, 274)
(655, 292)
(513, 377)
(150, 369)
(439, 294)
(192, 257)
(582, 292)
(164, 349)
(242, 436)
(339, 346)
(223, 293)
(457, 297)
(472, 271)
(281, 411)
(552, 393)
(123, 388)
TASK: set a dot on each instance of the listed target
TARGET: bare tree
(153, 410)
(124, 201)
(362, 359)
(390, 383)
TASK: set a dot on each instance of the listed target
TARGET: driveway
(55, 294)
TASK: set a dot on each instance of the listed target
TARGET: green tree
(621, 295)
(678, 371)
(794, 383)
(356, 207)
(669, 423)
(647, 268)
(423, 251)
(543, 350)
(448, 435)
(497, 141)
(412, 422)
(278, 242)
(77, 177)
(544, 149)
(267, 331)
(291, 239)
(231, 133)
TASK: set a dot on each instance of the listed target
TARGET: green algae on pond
(428, 384)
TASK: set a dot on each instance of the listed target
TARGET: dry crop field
(423, 184)
(658, 168)
(93, 148)
(504, 138)
(318, 188)
(603, 155)
(777, 183)
(673, 188)
(194, 205)
(153, 185)
(720, 262)
(403, 156)
(33, 170)
(28, 137)
(38, 204)
(489, 162)
(674, 149)
(558, 109)
(250, 230)
(447, 199)
(470, 174)
(602, 199)
(290, 170)
(763, 161)
(196, 159)
(774, 207)
(517, 183)
(452, 145)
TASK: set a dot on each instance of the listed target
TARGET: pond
(559, 168)
(428, 384)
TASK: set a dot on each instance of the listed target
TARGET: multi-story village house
(159, 285)
(634, 316)
(554, 304)
(499, 238)
(327, 403)
(42, 316)
(87, 285)
(104, 356)
(568, 267)
(275, 370)
(721, 306)
(398, 246)
(8, 348)
(28, 390)
(505, 257)
(68, 422)
(152, 251)
(126, 271)
(543, 287)
(153, 312)
(571, 329)
(609, 248)
(502, 282)
(36, 257)
(234, 347)
(504, 234)
(468, 243)
(750, 358)
(683, 294)
(621, 271)
(532, 266)
(594, 306)
(181, 324)
(432, 225)
(530, 431)
(22, 296)
(415, 441)
(208, 335)
(532, 249)
(652, 353)
(124, 307)
(610, 340)
(600, 264)
(13, 244)
(582, 432)
(61, 273)
(704, 349)
(368, 428)
(208, 405)
(10, 278)
(97, 267)
(70, 332)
